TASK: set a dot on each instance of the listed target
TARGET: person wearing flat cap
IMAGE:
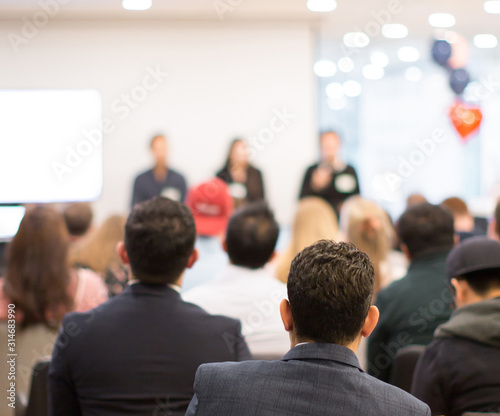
(460, 370)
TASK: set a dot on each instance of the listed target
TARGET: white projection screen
(50, 146)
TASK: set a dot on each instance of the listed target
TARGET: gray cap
(472, 255)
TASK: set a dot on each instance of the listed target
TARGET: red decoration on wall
(465, 119)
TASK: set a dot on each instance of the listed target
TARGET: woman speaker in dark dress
(244, 180)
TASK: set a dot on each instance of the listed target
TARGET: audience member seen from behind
(161, 180)
(246, 290)
(460, 370)
(369, 228)
(244, 180)
(99, 254)
(139, 351)
(329, 310)
(212, 206)
(466, 225)
(331, 179)
(42, 286)
(78, 218)
(314, 220)
(412, 308)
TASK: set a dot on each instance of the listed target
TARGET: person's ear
(224, 245)
(456, 239)
(492, 230)
(286, 315)
(273, 257)
(370, 321)
(460, 287)
(405, 250)
(122, 252)
(193, 258)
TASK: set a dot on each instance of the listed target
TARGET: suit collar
(323, 351)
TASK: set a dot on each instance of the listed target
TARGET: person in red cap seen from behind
(212, 206)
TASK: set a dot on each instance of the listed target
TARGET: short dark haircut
(482, 281)
(426, 228)
(78, 218)
(330, 290)
(251, 235)
(159, 239)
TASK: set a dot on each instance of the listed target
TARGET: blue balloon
(459, 78)
(441, 52)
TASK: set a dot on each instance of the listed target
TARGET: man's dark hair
(159, 239)
(78, 218)
(426, 228)
(251, 236)
(330, 289)
(482, 281)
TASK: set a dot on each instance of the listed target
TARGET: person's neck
(353, 346)
(160, 172)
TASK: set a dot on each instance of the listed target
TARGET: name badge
(345, 183)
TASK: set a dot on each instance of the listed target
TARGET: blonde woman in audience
(99, 254)
(39, 288)
(315, 220)
(369, 228)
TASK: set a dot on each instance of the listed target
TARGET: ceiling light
(356, 39)
(380, 59)
(346, 64)
(442, 20)
(395, 31)
(413, 74)
(485, 41)
(492, 6)
(352, 88)
(137, 4)
(408, 54)
(321, 5)
(325, 68)
(373, 72)
(337, 103)
(334, 90)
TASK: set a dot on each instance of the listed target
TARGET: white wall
(224, 79)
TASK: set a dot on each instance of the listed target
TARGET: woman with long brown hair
(41, 287)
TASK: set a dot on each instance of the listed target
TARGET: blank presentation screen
(50, 146)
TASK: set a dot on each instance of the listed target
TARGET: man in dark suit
(331, 179)
(137, 354)
(330, 288)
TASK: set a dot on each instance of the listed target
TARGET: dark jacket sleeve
(255, 184)
(427, 384)
(183, 188)
(379, 363)
(306, 189)
(136, 193)
(63, 399)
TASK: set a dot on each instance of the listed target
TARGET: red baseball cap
(211, 205)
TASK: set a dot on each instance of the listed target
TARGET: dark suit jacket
(137, 354)
(311, 379)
